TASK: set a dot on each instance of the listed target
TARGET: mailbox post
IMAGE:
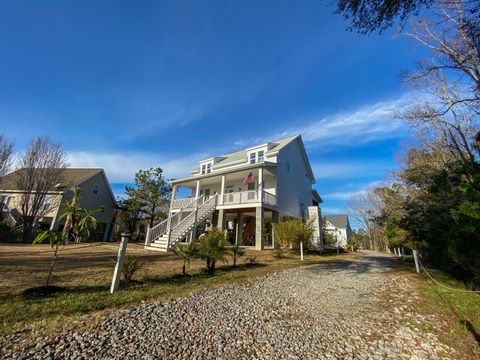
(120, 261)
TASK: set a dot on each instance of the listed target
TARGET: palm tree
(237, 252)
(212, 248)
(77, 221)
(186, 252)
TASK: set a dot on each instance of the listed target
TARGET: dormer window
(253, 157)
(260, 155)
(204, 169)
(209, 168)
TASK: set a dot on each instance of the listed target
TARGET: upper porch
(249, 186)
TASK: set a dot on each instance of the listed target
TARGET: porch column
(239, 234)
(174, 192)
(259, 218)
(222, 191)
(275, 220)
(221, 219)
(260, 184)
(197, 190)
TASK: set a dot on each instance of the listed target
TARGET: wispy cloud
(121, 167)
(358, 126)
(351, 169)
(348, 191)
(362, 125)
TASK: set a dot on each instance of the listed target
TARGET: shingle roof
(70, 178)
(242, 154)
(339, 221)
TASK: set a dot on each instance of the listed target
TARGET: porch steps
(182, 229)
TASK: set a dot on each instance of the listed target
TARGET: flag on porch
(249, 179)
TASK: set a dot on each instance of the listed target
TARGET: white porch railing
(182, 203)
(240, 197)
(269, 199)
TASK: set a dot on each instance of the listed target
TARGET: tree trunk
(55, 254)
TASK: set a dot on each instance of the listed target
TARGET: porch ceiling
(216, 178)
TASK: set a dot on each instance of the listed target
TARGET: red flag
(249, 179)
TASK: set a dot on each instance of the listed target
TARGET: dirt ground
(24, 266)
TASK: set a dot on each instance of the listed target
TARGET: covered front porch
(248, 187)
(246, 227)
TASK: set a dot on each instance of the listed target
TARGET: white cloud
(333, 210)
(368, 123)
(359, 126)
(351, 169)
(346, 192)
(121, 167)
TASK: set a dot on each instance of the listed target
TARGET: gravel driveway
(348, 309)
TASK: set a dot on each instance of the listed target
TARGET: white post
(147, 238)
(197, 190)
(260, 184)
(417, 267)
(395, 251)
(301, 250)
(117, 274)
(222, 190)
(338, 250)
(174, 192)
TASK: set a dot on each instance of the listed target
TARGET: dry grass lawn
(86, 271)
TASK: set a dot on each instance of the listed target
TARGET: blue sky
(127, 85)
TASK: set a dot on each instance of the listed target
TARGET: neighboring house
(242, 193)
(339, 227)
(96, 194)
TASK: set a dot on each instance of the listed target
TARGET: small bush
(237, 252)
(186, 252)
(250, 260)
(131, 265)
(291, 232)
(212, 248)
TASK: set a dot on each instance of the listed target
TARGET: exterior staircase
(166, 234)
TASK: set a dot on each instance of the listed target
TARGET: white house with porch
(242, 193)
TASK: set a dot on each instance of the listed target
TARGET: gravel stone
(348, 309)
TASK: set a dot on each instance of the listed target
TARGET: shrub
(186, 252)
(237, 252)
(131, 265)
(291, 232)
(212, 247)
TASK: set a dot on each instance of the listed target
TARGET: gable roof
(70, 178)
(274, 147)
(339, 221)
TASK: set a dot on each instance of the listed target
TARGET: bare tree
(446, 86)
(6, 149)
(40, 168)
(365, 207)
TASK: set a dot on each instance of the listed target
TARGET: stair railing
(162, 227)
(204, 203)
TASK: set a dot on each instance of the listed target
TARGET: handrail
(182, 203)
(161, 228)
(201, 207)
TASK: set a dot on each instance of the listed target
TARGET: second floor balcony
(249, 197)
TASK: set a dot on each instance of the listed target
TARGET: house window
(204, 168)
(102, 208)
(96, 189)
(209, 168)
(252, 157)
(260, 155)
(251, 186)
(47, 203)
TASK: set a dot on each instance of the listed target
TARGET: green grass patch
(460, 310)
